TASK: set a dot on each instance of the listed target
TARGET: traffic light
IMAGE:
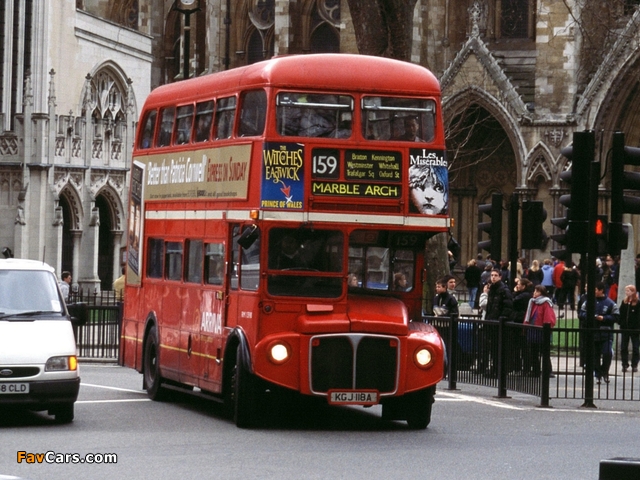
(533, 216)
(601, 227)
(562, 223)
(581, 153)
(492, 227)
(621, 180)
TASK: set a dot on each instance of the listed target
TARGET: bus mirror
(248, 236)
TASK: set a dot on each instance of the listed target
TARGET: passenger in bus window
(203, 128)
(429, 190)
(352, 280)
(411, 129)
(400, 282)
(312, 124)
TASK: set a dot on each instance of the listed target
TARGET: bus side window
(155, 257)
(225, 115)
(204, 117)
(166, 127)
(173, 261)
(214, 263)
(147, 131)
(250, 267)
(193, 267)
(184, 119)
(253, 113)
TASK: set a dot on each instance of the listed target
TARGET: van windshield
(28, 291)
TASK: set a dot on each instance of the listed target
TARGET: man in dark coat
(500, 301)
(499, 306)
(606, 314)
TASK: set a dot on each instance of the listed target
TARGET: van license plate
(13, 388)
(353, 397)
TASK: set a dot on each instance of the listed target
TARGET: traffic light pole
(592, 252)
(513, 239)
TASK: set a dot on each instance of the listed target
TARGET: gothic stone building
(71, 79)
(518, 78)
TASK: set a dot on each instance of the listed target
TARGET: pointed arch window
(108, 100)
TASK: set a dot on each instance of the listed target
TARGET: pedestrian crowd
(540, 289)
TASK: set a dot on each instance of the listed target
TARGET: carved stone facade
(518, 78)
(74, 74)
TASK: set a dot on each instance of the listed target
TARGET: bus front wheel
(418, 408)
(245, 396)
(152, 378)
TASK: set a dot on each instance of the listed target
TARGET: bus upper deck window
(204, 120)
(166, 127)
(225, 115)
(147, 131)
(252, 113)
(314, 115)
(405, 119)
(184, 119)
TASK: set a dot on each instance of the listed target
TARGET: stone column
(76, 236)
(117, 261)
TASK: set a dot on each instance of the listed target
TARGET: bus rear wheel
(152, 378)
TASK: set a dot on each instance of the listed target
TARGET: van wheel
(64, 413)
(244, 388)
(152, 378)
(418, 408)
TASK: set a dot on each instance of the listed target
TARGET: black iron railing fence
(99, 337)
(498, 354)
(544, 362)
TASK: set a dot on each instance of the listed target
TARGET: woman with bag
(630, 320)
(539, 312)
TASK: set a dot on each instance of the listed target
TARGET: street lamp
(186, 7)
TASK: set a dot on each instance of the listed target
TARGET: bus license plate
(353, 397)
(13, 388)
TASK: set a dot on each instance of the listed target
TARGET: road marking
(457, 397)
(116, 401)
(141, 392)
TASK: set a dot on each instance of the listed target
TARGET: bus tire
(418, 408)
(64, 413)
(152, 378)
(245, 396)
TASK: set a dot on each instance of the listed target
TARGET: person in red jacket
(557, 277)
(539, 312)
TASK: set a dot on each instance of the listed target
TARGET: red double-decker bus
(278, 220)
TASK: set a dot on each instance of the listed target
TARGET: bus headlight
(278, 353)
(423, 357)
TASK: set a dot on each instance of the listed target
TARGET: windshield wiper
(30, 312)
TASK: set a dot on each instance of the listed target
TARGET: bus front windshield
(305, 262)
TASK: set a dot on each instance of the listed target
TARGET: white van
(38, 362)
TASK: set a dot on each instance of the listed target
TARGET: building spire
(52, 90)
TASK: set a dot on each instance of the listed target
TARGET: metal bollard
(620, 468)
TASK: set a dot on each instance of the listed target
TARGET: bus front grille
(358, 362)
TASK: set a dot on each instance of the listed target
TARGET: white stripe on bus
(243, 215)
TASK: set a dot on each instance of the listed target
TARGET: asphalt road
(472, 436)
